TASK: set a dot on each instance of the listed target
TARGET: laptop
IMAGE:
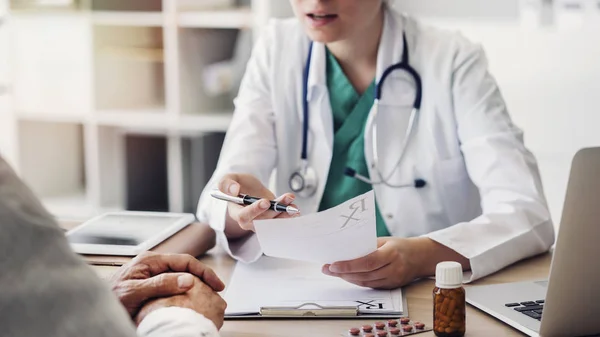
(568, 303)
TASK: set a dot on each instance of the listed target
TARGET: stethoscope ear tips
(420, 183)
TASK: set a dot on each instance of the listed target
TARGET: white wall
(469, 9)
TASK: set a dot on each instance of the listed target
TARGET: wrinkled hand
(200, 298)
(394, 264)
(152, 275)
(236, 184)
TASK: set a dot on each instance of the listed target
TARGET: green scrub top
(350, 111)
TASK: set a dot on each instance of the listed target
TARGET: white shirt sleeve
(246, 249)
(176, 322)
(516, 222)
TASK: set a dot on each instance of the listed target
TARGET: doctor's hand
(392, 265)
(240, 218)
(396, 263)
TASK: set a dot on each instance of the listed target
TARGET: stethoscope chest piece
(304, 182)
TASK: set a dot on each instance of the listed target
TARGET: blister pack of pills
(400, 327)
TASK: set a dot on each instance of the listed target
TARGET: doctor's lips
(320, 19)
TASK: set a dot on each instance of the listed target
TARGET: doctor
(351, 96)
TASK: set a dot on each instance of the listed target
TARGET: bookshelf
(106, 92)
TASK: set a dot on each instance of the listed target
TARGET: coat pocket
(459, 195)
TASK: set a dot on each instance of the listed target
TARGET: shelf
(143, 119)
(127, 5)
(156, 119)
(145, 97)
(138, 19)
(43, 9)
(200, 123)
(51, 116)
(227, 19)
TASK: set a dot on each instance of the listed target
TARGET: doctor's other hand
(201, 298)
(396, 263)
(242, 217)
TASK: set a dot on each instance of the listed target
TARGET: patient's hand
(152, 275)
(200, 298)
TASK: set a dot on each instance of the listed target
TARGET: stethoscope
(304, 181)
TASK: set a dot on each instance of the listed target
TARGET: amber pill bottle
(449, 301)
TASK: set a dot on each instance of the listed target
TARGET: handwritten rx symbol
(370, 304)
(355, 207)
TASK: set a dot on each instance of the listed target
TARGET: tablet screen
(122, 230)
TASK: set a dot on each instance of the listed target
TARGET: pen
(244, 199)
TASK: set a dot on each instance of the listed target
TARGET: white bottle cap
(448, 275)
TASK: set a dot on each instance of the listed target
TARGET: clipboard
(316, 311)
(272, 288)
(309, 310)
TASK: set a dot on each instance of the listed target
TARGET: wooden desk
(418, 296)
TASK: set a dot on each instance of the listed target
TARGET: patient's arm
(46, 290)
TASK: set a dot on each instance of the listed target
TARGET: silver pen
(244, 199)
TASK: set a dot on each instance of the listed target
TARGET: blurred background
(123, 104)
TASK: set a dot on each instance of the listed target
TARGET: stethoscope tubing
(403, 65)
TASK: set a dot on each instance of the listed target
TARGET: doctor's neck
(357, 53)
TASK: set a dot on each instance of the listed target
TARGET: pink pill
(354, 331)
(382, 334)
(392, 323)
(395, 331)
(420, 325)
(407, 328)
(367, 328)
(380, 325)
(405, 320)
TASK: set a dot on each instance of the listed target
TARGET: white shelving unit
(93, 82)
(137, 19)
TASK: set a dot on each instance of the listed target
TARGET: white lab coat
(483, 198)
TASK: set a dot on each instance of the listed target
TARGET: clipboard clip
(309, 310)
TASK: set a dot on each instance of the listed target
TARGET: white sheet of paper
(345, 232)
(272, 282)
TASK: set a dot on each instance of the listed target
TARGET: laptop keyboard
(532, 309)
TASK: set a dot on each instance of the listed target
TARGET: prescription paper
(273, 282)
(342, 233)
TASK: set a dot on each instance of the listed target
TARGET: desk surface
(418, 297)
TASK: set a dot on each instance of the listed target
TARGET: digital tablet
(126, 233)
